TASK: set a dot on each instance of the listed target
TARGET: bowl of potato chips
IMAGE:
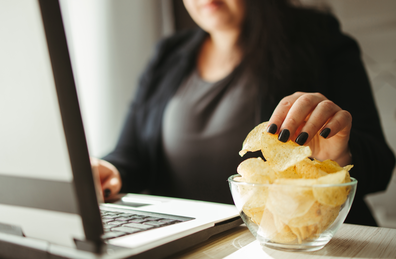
(288, 200)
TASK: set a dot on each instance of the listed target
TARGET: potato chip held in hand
(252, 142)
(279, 155)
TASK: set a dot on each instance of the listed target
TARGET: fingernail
(284, 135)
(106, 193)
(272, 128)
(302, 138)
(325, 133)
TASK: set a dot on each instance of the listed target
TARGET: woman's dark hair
(267, 41)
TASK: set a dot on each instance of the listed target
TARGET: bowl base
(293, 248)
(306, 246)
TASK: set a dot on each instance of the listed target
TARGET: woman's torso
(204, 126)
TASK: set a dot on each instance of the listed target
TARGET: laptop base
(13, 246)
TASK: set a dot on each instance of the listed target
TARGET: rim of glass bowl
(231, 180)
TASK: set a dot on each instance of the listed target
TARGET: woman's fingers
(321, 114)
(96, 177)
(339, 123)
(109, 177)
(111, 187)
(301, 115)
(281, 111)
(311, 119)
(292, 113)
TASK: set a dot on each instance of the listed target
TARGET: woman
(250, 61)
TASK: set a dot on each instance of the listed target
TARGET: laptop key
(137, 220)
(122, 219)
(107, 228)
(126, 229)
(140, 216)
(169, 221)
(109, 217)
(153, 218)
(139, 226)
(155, 223)
(115, 223)
(110, 213)
(124, 214)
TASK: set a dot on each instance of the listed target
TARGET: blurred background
(111, 43)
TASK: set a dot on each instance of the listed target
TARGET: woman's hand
(313, 120)
(108, 176)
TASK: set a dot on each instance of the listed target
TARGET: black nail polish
(107, 193)
(284, 135)
(325, 133)
(302, 138)
(272, 128)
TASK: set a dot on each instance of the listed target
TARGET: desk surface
(351, 241)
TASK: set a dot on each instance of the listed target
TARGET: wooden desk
(351, 241)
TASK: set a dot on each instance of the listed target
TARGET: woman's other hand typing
(108, 176)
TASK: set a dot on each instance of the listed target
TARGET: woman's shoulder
(179, 42)
(322, 29)
(173, 49)
(306, 24)
(169, 53)
(315, 19)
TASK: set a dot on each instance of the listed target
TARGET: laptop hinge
(89, 246)
(96, 247)
(11, 230)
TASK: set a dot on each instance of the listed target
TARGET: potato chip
(295, 182)
(274, 230)
(255, 214)
(348, 168)
(254, 199)
(305, 232)
(290, 198)
(307, 169)
(347, 177)
(330, 214)
(281, 156)
(252, 142)
(255, 170)
(309, 226)
(318, 218)
(314, 215)
(288, 173)
(330, 166)
(332, 196)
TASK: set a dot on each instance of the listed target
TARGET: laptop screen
(44, 162)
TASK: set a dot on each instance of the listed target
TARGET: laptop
(48, 202)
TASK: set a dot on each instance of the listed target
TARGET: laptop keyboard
(116, 224)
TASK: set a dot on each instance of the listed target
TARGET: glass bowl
(293, 217)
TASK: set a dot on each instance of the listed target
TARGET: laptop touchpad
(131, 203)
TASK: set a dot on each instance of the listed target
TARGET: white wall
(110, 44)
(373, 24)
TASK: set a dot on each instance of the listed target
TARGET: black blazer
(340, 76)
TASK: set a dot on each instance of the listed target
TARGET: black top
(340, 76)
